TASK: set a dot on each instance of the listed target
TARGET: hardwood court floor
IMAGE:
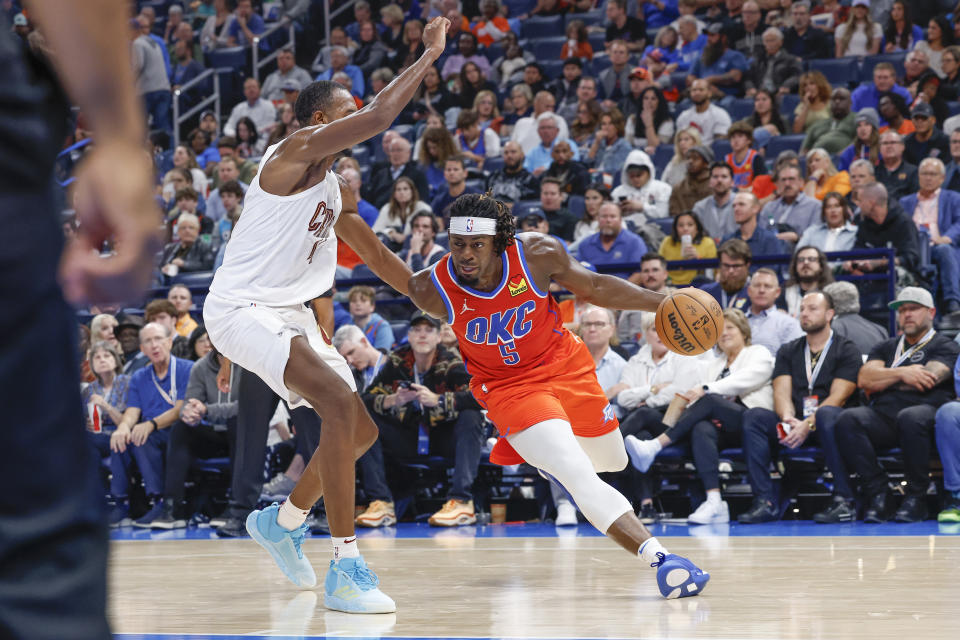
(458, 585)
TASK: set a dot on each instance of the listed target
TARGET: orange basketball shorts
(564, 388)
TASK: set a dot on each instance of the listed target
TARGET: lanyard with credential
(171, 397)
(372, 372)
(815, 371)
(423, 433)
(900, 356)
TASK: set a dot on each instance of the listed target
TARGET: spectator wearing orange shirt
(577, 45)
(493, 27)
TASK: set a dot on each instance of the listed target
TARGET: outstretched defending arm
(549, 260)
(357, 233)
(313, 143)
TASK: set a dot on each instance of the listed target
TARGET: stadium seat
(553, 69)
(490, 165)
(493, 52)
(788, 104)
(198, 280)
(843, 72)
(678, 79)
(665, 224)
(630, 347)
(361, 153)
(896, 59)
(400, 331)
(476, 184)
(523, 207)
(782, 143)
(953, 107)
(519, 7)
(662, 156)
(597, 41)
(576, 205)
(721, 148)
(740, 108)
(590, 18)
(547, 49)
(232, 57)
(542, 27)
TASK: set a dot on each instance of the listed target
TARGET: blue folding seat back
(542, 27)
(545, 49)
(838, 71)
(782, 143)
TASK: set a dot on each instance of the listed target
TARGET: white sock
(649, 550)
(713, 497)
(657, 447)
(345, 547)
(290, 516)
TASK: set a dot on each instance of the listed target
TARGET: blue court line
(787, 528)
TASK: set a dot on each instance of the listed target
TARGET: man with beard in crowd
(722, 68)
(730, 289)
(513, 183)
(808, 272)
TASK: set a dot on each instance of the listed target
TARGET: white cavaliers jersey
(283, 250)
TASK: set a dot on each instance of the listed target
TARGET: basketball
(689, 321)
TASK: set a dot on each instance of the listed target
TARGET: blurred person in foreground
(57, 589)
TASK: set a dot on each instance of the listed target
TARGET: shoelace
(297, 536)
(661, 557)
(363, 577)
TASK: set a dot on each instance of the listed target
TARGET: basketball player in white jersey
(281, 254)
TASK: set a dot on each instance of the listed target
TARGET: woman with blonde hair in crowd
(814, 103)
(739, 378)
(859, 35)
(102, 329)
(823, 177)
(104, 401)
(485, 104)
(393, 223)
(676, 169)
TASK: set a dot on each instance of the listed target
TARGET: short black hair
(721, 165)
(316, 96)
(478, 205)
(652, 256)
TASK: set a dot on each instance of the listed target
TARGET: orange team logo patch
(517, 285)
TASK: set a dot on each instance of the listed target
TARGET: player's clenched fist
(435, 34)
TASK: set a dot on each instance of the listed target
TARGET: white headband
(473, 226)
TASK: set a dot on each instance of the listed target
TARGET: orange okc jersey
(526, 367)
(507, 331)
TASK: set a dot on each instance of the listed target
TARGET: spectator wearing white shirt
(707, 118)
(647, 384)
(261, 111)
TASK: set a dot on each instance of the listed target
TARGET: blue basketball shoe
(351, 587)
(677, 577)
(283, 545)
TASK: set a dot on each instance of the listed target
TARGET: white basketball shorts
(257, 338)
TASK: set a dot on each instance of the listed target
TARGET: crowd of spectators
(637, 133)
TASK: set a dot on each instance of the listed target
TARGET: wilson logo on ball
(679, 340)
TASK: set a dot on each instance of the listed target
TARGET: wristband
(154, 423)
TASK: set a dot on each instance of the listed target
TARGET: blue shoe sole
(251, 526)
(691, 586)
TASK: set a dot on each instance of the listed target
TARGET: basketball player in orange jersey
(282, 253)
(536, 379)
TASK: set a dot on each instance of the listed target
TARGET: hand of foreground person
(114, 200)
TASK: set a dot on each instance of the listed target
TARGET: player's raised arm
(312, 143)
(547, 256)
(354, 230)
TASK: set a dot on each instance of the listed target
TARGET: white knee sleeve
(552, 447)
(606, 452)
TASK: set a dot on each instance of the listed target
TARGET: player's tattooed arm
(424, 294)
(550, 260)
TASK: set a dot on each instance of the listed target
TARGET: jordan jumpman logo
(466, 308)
